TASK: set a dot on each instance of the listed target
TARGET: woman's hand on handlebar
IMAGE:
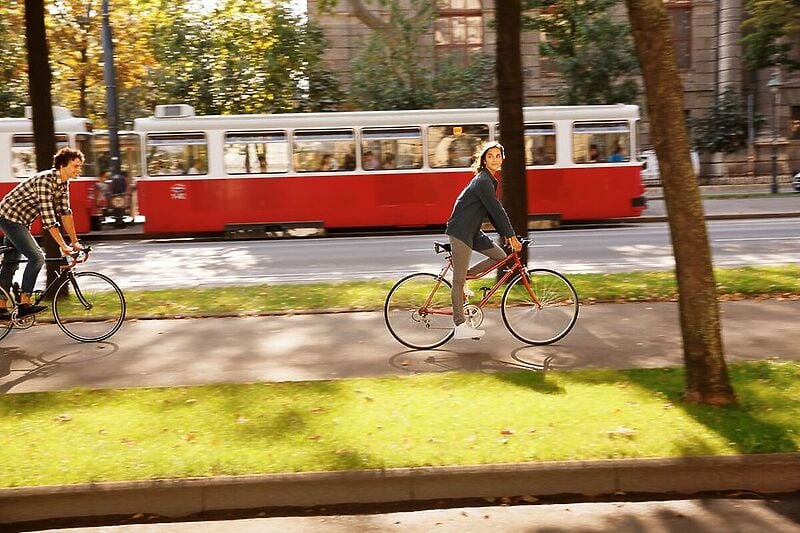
(514, 243)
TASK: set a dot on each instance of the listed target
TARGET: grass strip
(368, 295)
(421, 420)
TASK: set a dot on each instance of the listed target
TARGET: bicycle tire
(93, 310)
(401, 311)
(537, 325)
(6, 324)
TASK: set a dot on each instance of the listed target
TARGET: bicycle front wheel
(418, 311)
(541, 311)
(89, 307)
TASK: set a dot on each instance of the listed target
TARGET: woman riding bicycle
(478, 199)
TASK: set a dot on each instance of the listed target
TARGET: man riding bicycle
(44, 194)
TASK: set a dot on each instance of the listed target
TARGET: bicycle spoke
(5, 318)
(418, 311)
(89, 307)
(543, 311)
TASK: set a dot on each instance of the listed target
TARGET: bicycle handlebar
(79, 256)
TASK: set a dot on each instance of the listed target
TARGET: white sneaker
(469, 293)
(463, 331)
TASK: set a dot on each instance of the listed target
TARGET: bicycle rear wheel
(548, 320)
(410, 321)
(5, 320)
(89, 307)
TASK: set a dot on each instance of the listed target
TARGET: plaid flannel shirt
(42, 194)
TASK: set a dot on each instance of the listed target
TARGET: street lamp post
(774, 85)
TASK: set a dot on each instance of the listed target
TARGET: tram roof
(381, 118)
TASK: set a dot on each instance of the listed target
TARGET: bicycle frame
(516, 268)
(64, 273)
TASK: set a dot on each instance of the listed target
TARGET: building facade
(707, 36)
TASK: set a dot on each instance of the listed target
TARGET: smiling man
(44, 194)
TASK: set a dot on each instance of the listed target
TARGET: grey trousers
(461, 255)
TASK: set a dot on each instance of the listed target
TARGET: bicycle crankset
(474, 315)
(24, 322)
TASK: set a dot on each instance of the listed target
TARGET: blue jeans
(20, 236)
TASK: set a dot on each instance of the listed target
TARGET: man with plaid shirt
(45, 194)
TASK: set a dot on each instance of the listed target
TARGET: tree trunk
(40, 82)
(707, 378)
(509, 88)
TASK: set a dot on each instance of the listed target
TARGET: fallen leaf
(622, 431)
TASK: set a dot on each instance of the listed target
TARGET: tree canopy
(239, 56)
(768, 27)
(593, 54)
(390, 72)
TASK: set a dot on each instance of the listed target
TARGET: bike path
(327, 346)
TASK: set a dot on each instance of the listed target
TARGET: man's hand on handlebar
(66, 250)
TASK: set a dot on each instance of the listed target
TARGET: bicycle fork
(526, 282)
(73, 282)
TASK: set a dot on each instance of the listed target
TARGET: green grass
(423, 420)
(628, 286)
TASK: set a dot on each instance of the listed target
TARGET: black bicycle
(87, 306)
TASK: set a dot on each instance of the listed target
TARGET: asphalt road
(618, 248)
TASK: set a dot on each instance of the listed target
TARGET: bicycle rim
(415, 329)
(549, 320)
(5, 322)
(90, 310)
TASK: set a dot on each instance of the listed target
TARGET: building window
(794, 125)
(680, 12)
(458, 31)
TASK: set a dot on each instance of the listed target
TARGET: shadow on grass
(537, 381)
(751, 425)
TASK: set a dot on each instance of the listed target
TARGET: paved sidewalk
(687, 516)
(333, 346)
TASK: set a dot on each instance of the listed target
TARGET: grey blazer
(477, 200)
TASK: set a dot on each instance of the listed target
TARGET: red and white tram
(18, 160)
(204, 174)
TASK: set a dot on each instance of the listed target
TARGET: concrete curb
(768, 473)
(721, 216)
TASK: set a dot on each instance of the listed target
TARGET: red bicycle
(539, 306)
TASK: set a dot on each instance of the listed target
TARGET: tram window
(129, 156)
(84, 143)
(23, 154)
(175, 153)
(455, 146)
(540, 144)
(324, 150)
(596, 142)
(391, 148)
(256, 152)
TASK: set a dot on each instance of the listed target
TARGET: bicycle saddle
(441, 247)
